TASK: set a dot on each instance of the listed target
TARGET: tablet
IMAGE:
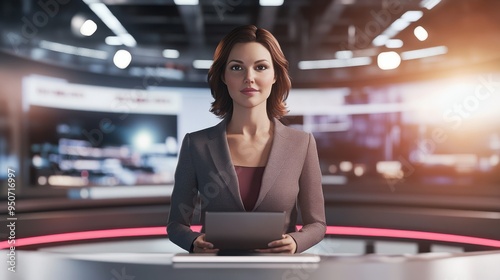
(243, 231)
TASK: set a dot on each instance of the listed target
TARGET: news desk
(36, 265)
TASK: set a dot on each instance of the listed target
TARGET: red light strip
(396, 233)
(331, 230)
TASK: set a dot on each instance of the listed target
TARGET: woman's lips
(249, 91)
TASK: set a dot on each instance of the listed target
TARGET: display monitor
(84, 136)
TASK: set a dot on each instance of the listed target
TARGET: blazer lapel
(219, 151)
(281, 147)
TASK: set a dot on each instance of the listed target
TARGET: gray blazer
(291, 181)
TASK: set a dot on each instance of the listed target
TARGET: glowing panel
(331, 230)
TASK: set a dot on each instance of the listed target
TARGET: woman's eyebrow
(261, 60)
(241, 62)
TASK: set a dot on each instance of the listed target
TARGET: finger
(282, 242)
(203, 244)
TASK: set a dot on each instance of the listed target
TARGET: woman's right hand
(200, 245)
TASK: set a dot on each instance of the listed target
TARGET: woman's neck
(249, 121)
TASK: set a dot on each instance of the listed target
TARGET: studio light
(81, 25)
(388, 60)
(122, 59)
(271, 3)
(170, 53)
(106, 16)
(420, 33)
(421, 53)
(394, 44)
(429, 4)
(88, 28)
(186, 2)
(113, 41)
(334, 63)
(202, 64)
(143, 140)
(63, 48)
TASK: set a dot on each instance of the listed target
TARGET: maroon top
(249, 180)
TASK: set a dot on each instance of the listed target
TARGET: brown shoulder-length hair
(223, 104)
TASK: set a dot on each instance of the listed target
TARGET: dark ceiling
(306, 30)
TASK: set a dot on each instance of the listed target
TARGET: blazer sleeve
(310, 201)
(183, 199)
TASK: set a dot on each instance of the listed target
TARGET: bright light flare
(394, 44)
(271, 3)
(346, 166)
(388, 60)
(423, 53)
(88, 28)
(143, 140)
(421, 33)
(122, 59)
(186, 2)
(202, 64)
(170, 53)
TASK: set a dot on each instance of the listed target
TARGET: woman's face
(249, 74)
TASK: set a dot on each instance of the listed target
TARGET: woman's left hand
(285, 245)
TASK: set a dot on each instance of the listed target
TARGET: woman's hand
(200, 245)
(285, 245)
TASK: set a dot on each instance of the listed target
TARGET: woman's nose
(249, 77)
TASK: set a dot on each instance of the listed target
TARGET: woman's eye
(261, 67)
(236, 67)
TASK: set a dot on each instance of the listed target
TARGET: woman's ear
(222, 78)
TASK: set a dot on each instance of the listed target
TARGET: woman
(249, 161)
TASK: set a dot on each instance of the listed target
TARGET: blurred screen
(80, 136)
(444, 132)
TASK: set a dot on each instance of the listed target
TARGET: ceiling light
(400, 24)
(272, 3)
(412, 16)
(429, 4)
(380, 40)
(397, 26)
(334, 63)
(343, 54)
(106, 16)
(77, 22)
(186, 2)
(63, 48)
(102, 11)
(127, 39)
(420, 33)
(88, 28)
(421, 53)
(388, 60)
(113, 41)
(202, 64)
(394, 44)
(170, 53)
(122, 59)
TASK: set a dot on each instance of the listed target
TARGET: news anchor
(250, 161)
